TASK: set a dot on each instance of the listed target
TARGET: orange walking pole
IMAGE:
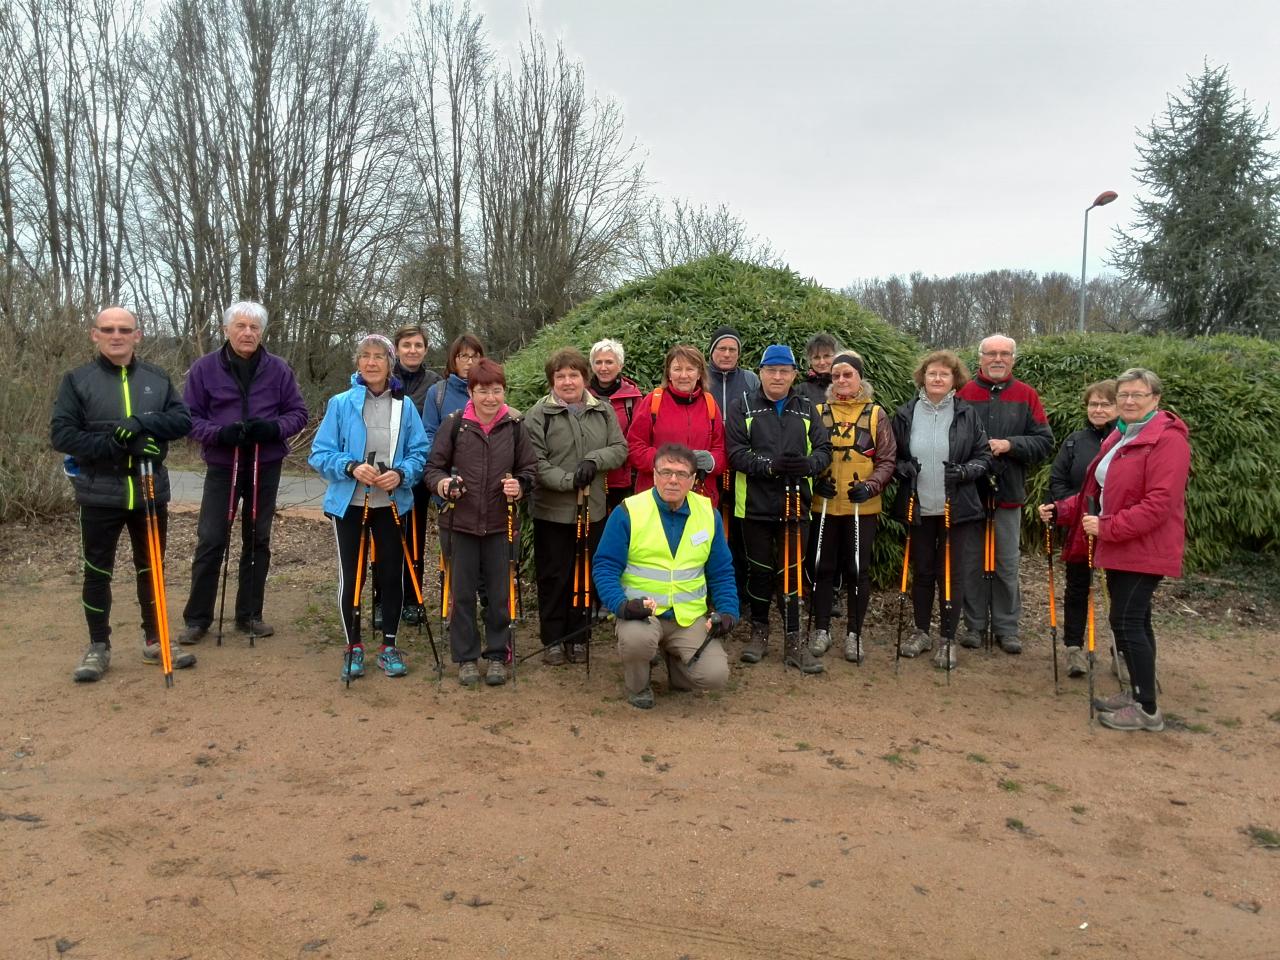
(950, 627)
(154, 549)
(1053, 606)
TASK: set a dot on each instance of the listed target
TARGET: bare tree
(677, 231)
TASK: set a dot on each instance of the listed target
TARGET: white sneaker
(820, 642)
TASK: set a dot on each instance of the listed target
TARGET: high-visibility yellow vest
(676, 583)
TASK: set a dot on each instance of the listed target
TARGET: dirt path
(260, 810)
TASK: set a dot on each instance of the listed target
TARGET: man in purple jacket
(244, 404)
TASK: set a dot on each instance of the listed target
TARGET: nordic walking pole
(856, 596)
(253, 542)
(232, 502)
(1089, 629)
(155, 550)
(946, 581)
(513, 580)
(446, 558)
(1053, 607)
(359, 585)
(817, 559)
(586, 571)
(989, 572)
(902, 590)
(413, 575)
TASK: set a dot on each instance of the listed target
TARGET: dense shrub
(1226, 388)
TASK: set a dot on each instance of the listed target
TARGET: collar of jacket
(589, 400)
(114, 368)
(994, 386)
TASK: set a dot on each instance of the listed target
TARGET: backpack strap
(439, 388)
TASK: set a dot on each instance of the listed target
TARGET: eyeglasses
(487, 391)
(843, 376)
(1100, 404)
(998, 354)
(116, 331)
(467, 356)
(1122, 397)
(380, 357)
(667, 474)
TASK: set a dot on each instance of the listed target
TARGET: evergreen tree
(1207, 238)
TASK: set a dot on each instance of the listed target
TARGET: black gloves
(859, 492)
(953, 474)
(257, 430)
(791, 465)
(824, 487)
(635, 610)
(232, 435)
(908, 470)
(584, 474)
(722, 624)
(144, 446)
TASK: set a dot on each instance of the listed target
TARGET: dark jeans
(212, 531)
(1075, 603)
(837, 559)
(554, 549)
(928, 568)
(1131, 623)
(99, 534)
(477, 562)
(763, 542)
(386, 540)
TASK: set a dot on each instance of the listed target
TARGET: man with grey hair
(245, 404)
(1020, 437)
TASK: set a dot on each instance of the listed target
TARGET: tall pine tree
(1207, 236)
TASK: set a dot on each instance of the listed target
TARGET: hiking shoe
(1133, 717)
(820, 642)
(970, 639)
(919, 642)
(1114, 702)
(496, 675)
(190, 635)
(391, 662)
(853, 648)
(1077, 662)
(642, 700)
(795, 653)
(468, 673)
(179, 660)
(576, 652)
(758, 645)
(259, 629)
(93, 664)
(353, 663)
(947, 658)
(553, 655)
(412, 615)
(1010, 644)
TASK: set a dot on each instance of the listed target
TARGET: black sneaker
(190, 635)
(642, 700)
(260, 629)
(496, 675)
(93, 664)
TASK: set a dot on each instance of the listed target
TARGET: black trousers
(1131, 595)
(763, 542)
(836, 562)
(554, 548)
(477, 563)
(415, 526)
(212, 531)
(99, 535)
(928, 573)
(386, 543)
(1075, 603)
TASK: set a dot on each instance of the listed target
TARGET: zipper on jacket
(128, 412)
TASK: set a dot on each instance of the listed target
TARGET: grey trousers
(1006, 598)
(640, 640)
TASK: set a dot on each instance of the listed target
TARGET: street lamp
(1100, 201)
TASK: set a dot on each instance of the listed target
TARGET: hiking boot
(1133, 717)
(795, 653)
(947, 657)
(496, 675)
(642, 700)
(970, 639)
(468, 673)
(1077, 662)
(576, 652)
(259, 629)
(93, 664)
(391, 662)
(758, 645)
(151, 655)
(411, 615)
(820, 642)
(553, 655)
(353, 663)
(1114, 702)
(190, 635)
(853, 648)
(1010, 644)
(919, 642)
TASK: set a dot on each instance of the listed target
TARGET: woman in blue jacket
(451, 394)
(371, 448)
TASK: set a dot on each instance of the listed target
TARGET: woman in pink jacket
(1133, 504)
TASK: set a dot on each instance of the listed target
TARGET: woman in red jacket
(682, 412)
(1134, 506)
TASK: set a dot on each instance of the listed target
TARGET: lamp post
(1100, 201)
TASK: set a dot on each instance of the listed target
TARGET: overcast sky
(865, 139)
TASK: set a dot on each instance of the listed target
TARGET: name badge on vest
(700, 537)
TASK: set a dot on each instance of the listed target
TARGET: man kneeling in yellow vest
(657, 560)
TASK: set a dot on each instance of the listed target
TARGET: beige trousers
(640, 640)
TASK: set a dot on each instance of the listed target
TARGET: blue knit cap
(778, 355)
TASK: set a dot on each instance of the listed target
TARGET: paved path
(299, 495)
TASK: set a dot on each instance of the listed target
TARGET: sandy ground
(259, 809)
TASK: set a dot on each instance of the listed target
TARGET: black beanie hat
(723, 332)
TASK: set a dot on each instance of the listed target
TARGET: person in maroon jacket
(1134, 506)
(680, 411)
(241, 398)
(1019, 436)
(608, 383)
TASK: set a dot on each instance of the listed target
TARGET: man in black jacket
(776, 445)
(109, 415)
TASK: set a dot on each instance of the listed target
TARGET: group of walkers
(718, 495)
